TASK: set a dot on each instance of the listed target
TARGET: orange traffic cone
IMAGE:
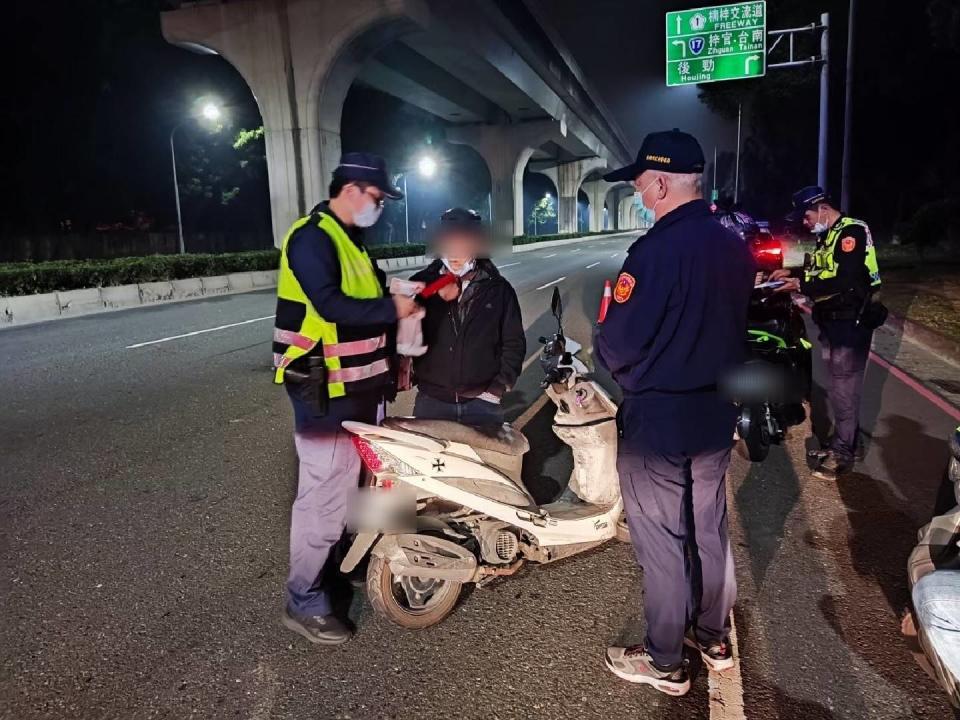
(605, 301)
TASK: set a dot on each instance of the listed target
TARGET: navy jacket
(677, 323)
(313, 261)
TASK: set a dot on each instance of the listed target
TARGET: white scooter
(475, 521)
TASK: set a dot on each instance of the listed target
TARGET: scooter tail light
(368, 454)
(378, 460)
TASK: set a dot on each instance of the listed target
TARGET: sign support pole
(824, 100)
(847, 117)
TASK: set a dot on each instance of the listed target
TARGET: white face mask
(369, 215)
(467, 267)
(647, 215)
(819, 226)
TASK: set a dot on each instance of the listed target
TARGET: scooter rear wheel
(410, 602)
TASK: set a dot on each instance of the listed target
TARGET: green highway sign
(726, 42)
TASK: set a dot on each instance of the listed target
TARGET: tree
(543, 210)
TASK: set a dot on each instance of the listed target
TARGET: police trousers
(676, 509)
(845, 348)
(328, 480)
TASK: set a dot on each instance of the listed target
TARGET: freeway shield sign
(726, 42)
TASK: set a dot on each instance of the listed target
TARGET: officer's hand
(449, 292)
(780, 274)
(405, 306)
(789, 285)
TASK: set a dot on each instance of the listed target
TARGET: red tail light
(367, 454)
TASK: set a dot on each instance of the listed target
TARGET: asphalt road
(144, 500)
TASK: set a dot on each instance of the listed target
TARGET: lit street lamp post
(210, 112)
(427, 167)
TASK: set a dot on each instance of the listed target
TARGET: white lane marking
(615, 255)
(546, 257)
(554, 282)
(576, 250)
(501, 267)
(592, 266)
(726, 688)
(198, 332)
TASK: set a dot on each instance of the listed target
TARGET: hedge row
(31, 278)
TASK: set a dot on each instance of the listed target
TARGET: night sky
(96, 90)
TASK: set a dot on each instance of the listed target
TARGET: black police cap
(367, 168)
(670, 151)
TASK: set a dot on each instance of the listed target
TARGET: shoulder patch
(847, 244)
(624, 288)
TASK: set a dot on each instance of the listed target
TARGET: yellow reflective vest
(356, 357)
(823, 262)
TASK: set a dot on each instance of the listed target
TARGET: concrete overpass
(498, 76)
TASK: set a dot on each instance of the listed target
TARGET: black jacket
(475, 344)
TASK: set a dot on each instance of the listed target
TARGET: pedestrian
(331, 352)
(677, 324)
(842, 278)
(473, 329)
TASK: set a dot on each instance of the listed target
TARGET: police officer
(842, 278)
(677, 323)
(331, 350)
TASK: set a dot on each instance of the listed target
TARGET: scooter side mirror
(556, 305)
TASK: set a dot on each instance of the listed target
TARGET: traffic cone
(605, 301)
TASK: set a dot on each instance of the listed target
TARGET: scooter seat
(498, 438)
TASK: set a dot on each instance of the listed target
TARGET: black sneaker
(832, 467)
(319, 629)
(716, 654)
(635, 665)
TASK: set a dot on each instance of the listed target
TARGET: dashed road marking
(198, 332)
(547, 257)
(592, 266)
(552, 282)
(501, 267)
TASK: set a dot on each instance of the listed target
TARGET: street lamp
(210, 111)
(546, 196)
(427, 167)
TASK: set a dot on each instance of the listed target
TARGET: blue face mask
(648, 216)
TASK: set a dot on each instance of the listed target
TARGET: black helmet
(461, 218)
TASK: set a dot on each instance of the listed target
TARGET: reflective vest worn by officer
(842, 274)
(356, 357)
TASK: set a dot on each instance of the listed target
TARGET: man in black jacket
(473, 329)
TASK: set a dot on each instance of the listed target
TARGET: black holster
(311, 380)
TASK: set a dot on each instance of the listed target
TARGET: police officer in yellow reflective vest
(331, 352)
(842, 278)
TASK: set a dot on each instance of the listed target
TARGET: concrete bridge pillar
(506, 149)
(597, 191)
(299, 59)
(570, 177)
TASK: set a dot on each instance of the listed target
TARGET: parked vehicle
(772, 386)
(475, 521)
(767, 250)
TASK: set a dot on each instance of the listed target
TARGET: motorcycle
(474, 520)
(772, 386)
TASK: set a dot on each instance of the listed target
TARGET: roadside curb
(944, 348)
(528, 247)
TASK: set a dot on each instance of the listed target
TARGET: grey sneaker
(319, 629)
(832, 467)
(635, 665)
(716, 654)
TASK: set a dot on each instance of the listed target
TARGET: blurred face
(458, 249)
(815, 216)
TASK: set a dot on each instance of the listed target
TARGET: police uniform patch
(848, 244)
(624, 288)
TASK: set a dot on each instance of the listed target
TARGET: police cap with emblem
(670, 151)
(804, 199)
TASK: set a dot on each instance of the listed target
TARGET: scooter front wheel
(410, 602)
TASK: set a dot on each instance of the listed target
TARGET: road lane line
(726, 688)
(576, 250)
(501, 267)
(547, 257)
(554, 282)
(592, 266)
(615, 255)
(914, 385)
(197, 332)
(530, 412)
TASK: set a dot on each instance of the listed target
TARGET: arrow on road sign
(683, 47)
(746, 63)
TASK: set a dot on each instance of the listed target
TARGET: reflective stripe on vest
(824, 260)
(357, 280)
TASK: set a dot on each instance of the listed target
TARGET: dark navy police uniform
(677, 323)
